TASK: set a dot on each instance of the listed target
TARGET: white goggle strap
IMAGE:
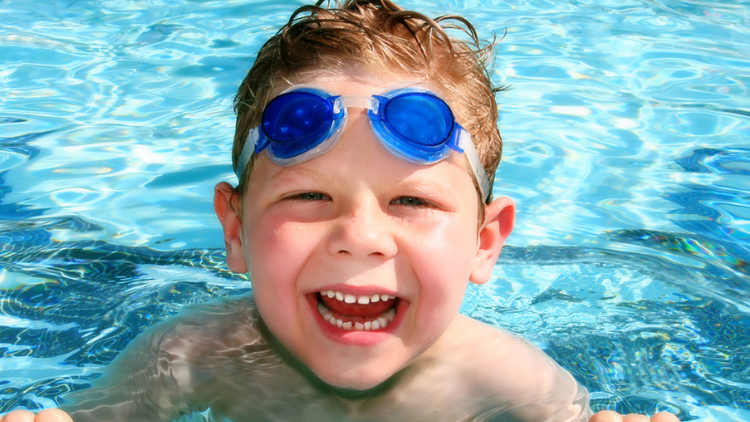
(247, 151)
(465, 143)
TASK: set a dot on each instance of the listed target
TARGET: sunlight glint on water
(625, 148)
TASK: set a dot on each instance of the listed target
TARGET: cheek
(445, 264)
(269, 242)
(276, 250)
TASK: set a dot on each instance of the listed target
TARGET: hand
(610, 416)
(47, 415)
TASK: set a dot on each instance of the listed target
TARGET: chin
(359, 384)
(357, 379)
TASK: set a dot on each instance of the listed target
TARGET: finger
(606, 416)
(53, 415)
(633, 417)
(664, 417)
(18, 416)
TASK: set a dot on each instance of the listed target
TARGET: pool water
(627, 150)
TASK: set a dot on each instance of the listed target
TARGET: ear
(231, 222)
(499, 219)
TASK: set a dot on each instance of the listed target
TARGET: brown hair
(376, 36)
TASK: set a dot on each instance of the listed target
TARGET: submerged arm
(146, 382)
(161, 375)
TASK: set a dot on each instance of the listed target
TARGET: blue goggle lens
(297, 122)
(419, 118)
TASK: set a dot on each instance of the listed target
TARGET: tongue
(371, 310)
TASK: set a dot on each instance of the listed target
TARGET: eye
(310, 196)
(409, 201)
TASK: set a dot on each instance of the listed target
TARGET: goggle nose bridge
(355, 101)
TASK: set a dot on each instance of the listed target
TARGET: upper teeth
(350, 298)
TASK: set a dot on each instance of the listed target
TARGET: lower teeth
(378, 323)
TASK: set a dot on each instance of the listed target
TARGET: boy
(365, 148)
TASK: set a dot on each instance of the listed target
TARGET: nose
(363, 230)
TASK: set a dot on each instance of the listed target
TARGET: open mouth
(357, 313)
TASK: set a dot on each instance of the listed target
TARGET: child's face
(359, 221)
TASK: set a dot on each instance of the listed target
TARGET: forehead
(377, 77)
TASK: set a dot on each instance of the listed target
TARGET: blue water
(627, 149)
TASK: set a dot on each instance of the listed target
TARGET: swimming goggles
(414, 124)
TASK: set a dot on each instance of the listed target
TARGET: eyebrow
(294, 173)
(414, 181)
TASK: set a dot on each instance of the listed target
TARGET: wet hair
(376, 38)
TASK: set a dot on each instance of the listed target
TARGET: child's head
(359, 257)
(375, 39)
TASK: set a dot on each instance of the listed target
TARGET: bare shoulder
(175, 366)
(215, 325)
(506, 366)
(498, 357)
(192, 333)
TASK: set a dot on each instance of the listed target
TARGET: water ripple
(626, 151)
